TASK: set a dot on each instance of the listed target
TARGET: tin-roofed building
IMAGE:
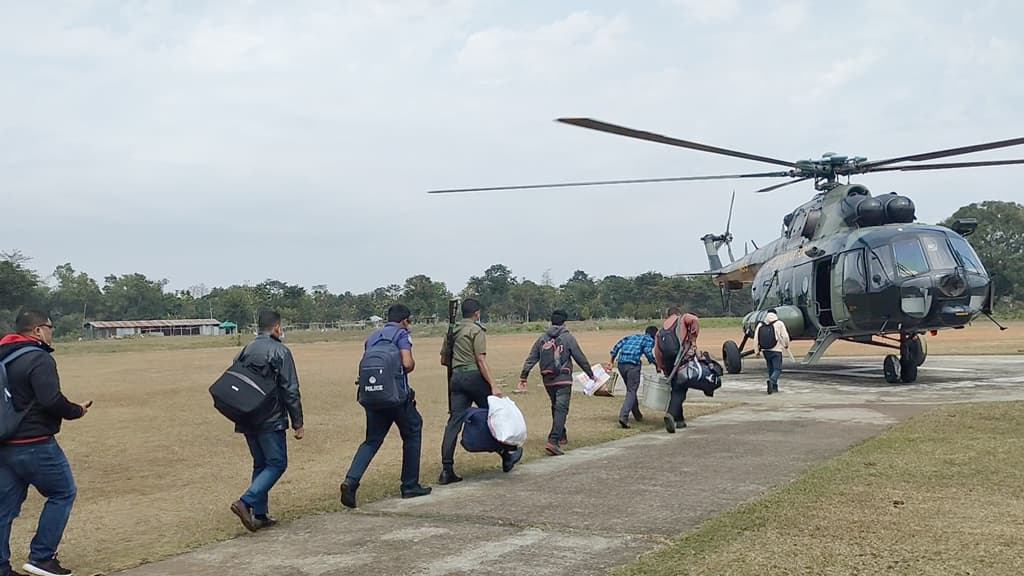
(130, 328)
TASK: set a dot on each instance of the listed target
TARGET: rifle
(453, 309)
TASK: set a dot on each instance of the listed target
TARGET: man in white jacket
(772, 339)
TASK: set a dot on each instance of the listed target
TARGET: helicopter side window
(854, 281)
(967, 255)
(937, 250)
(882, 265)
(910, 259)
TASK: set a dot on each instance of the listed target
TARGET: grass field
(157, 467)
(941, 494)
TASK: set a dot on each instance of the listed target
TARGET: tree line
(73, 297)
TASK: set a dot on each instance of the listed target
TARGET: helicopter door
(840, 315)
(823, 292)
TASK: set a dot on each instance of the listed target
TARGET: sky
(222, 143)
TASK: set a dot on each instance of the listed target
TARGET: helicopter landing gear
(732, 356)
(891, 368)
(912, 355)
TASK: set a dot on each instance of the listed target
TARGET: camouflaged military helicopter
(848, 265)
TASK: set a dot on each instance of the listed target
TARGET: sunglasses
(50, 326)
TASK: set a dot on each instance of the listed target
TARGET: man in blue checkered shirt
(628, 351)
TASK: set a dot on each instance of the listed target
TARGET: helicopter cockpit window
(937, 250)
(882, 265)
(910, 259)
(854, 281)
(967, 255)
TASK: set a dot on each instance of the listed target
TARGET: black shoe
(638, 416)
(49, 567)
(680, 423)
(623, 424)
(348, 494)
(670, 424)
(418, 490)
(448, 477)
(265, 522)
(510, 458)
(769, 384)
(240, 509)
(775, 387)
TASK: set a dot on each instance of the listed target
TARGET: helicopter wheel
(911, 356)
(918, 349)
(732, 357)
(891, 368)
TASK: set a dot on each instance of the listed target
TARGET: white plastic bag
(506, 421)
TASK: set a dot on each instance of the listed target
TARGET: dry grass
(939, 495)
(157, 466)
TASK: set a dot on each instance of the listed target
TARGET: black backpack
(669, 344)
(10, 419)
(381, 375)
(555, 360)
(766, 339)
(247, 392)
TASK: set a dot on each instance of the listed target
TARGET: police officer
(471, 384)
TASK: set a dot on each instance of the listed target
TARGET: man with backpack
(30, 456)
(555, 352)
(388, 358)
(266, 437)
(676, 344)
(471, 383)
(629, 351)
(772, 339)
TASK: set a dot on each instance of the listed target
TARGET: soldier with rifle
(464, 353)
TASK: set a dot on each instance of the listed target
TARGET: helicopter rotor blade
(652, 137)
(870, 166)
(608, 182)
(949, 165)
(728, 221)
(777, 186)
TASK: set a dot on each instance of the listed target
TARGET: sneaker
(638, 416)
(448, 477)
(670, 424)
(553, 449)
(775, 387)
(680, 424)
(623, 424)
(510, 458)
(49, 567)
(348, 494)
(244, 514)
(416, 491)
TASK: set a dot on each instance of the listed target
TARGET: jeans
(774, 362)
(631, 377)
(676, 399)
(467, 388)
(378, 424)
(560, 396)
(44, 466)
(269, 461)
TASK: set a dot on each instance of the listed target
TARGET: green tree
(999, 242)
(492, 289)
(425, 297)
(134, 297)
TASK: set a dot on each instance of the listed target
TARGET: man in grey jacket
(558, 349)
(267, 440)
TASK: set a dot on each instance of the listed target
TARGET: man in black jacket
(32, 457)
(267, 441)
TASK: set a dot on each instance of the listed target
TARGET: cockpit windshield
(937, 250)
(967, 255)
(910, 258)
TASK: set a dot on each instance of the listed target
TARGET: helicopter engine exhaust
(861, 209)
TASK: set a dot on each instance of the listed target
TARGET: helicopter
(848, 265)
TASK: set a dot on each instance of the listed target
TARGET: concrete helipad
(600, 507)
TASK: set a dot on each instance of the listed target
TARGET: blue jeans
(269, 461)
(44, 466)
(774, 362)
(378, 424)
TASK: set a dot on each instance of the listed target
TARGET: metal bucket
(656, 391)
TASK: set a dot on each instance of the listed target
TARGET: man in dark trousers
(629, 351)
(378, 422)
(268, 440)
(31, 456)
(471, 384)
(555, 351)
(676, 345)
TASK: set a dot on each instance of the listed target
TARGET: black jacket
(266, 349)
(34, 377)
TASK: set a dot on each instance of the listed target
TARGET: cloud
(705, 11)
